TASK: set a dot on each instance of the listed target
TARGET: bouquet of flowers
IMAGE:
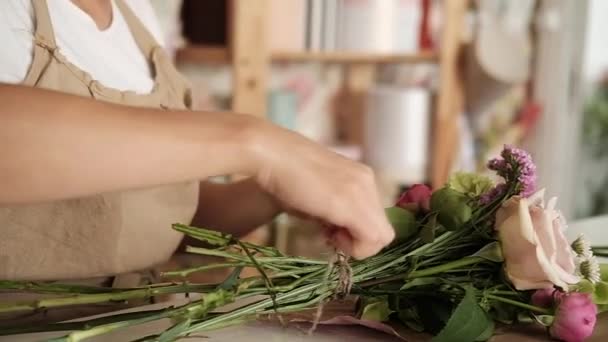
(468, 257)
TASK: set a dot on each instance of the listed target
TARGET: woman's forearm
(235, 208)
(55, 146)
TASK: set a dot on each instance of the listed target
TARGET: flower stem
(519, 304)
(425, 272)
(505, 293)
(95, 298)
(444, 267)
(187, 271)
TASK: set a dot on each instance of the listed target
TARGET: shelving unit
(250, 58)
(221, 55)
(352, 57)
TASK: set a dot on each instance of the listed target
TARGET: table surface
(272, 332)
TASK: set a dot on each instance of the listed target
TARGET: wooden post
(450, 100)
(250, 56)
(351, 101)
(250, 68)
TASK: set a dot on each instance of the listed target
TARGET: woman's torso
(108, 233)
(110, 56)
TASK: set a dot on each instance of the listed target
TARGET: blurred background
(417, 89)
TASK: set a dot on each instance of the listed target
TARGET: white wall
(596, 40)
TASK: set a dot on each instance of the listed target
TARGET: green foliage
(584, 286)
(487, 334)
(503, 313)
(233, 279)
(470, 184)
(600, 294)
(598, 291)
(468, 321)
(604, 272)
(546, 320)
(491, 252)
(424, 281)
(595, 123)
(427, 233)
(376, 309)
(451, 208)
(403, 221)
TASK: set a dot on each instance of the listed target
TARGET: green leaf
(491, 252)
(403, 221)
(376, 309)
(427, 233)
(488, 333)
(600, 295)
(468, 321)
(452, 208)
(584, 286)
(232, 281)
(604, 272)
(470, 184)
(421, 282)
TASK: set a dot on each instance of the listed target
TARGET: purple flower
(493, 194)
(515, 166)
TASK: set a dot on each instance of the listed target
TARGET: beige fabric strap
(44, 26)
(143, 37)
(104, 234)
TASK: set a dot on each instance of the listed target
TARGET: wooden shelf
(221, 55)
(353, 57)
(202, 54)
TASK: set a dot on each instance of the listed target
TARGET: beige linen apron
(105, 234)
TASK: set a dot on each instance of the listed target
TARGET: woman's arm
(55, 146)
(235, 208)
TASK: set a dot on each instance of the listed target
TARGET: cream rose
(537, 254)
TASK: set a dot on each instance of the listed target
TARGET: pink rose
(575, 317)
(418, 196)
(537, 254)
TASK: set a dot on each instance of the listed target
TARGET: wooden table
(272, 332)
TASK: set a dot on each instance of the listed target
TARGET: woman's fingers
(310, 179)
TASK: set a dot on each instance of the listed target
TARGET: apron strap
(44, 27)
(142, 36)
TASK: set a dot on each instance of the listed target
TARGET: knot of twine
(340, 264)
(337, 264)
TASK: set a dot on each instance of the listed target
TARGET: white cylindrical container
(379, 26)
(397, 124)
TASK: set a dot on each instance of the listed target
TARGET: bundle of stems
(288, 283)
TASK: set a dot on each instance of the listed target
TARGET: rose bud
(575, 317)
(417, 197)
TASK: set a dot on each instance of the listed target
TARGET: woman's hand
(310, 179)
